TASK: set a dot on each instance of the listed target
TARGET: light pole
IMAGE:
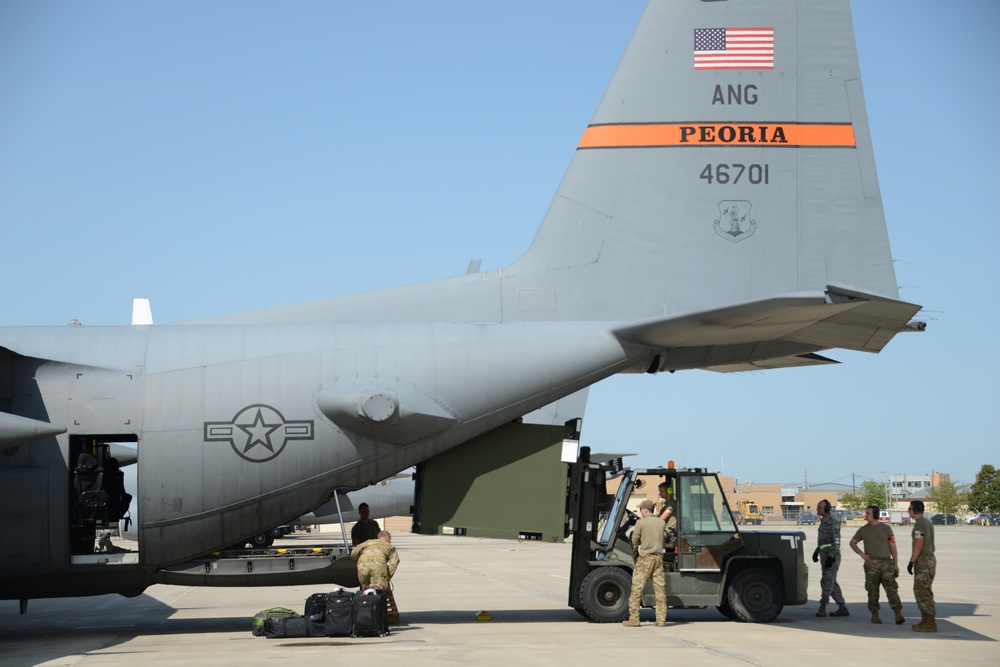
(888, 491)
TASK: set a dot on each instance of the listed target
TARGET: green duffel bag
(272, 614)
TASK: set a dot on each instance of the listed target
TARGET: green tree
(851, 502)
(984, 496)
(946, 497)
(872, 492)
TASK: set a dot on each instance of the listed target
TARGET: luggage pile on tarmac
(340, 613)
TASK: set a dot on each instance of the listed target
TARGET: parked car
(806, 517)
(843, 516)
(984, 520)
(944, 519)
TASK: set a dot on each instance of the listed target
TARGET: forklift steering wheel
(629, 522)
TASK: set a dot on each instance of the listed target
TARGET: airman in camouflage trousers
(647, 547)
(827, 554)
(648, 567)
(881, 571)
(881, 563)
(924, 570)
(377, 561)
(923, 567)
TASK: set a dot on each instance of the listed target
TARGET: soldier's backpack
(274, 613)
(371, 613)
(339, 618)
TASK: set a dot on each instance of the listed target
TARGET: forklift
(747, 575)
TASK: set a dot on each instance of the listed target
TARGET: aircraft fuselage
(239, 428)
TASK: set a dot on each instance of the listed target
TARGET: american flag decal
(734, 48)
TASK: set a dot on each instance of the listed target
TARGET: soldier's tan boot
(875, 618)
(821, 611)
(629, 623)
(898, 611)
(841, 610)
(926, 624)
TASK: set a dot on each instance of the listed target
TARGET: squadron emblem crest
(734, 222)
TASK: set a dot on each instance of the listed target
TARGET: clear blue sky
(222, 156)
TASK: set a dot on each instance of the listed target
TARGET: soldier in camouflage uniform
(827, 553)
(923, 567)
(647, 547)
(377, 561)
(666, 509)
(881, 563)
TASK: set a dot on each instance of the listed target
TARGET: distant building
(903, 486)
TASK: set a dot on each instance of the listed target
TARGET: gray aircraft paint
(389, 497)
(645, 261)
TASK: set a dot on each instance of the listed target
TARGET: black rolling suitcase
(315, 614)
(371, 614)
(339, 617)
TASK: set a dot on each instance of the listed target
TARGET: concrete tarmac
(443, 582)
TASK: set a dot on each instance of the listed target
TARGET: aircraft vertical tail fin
(729, 161)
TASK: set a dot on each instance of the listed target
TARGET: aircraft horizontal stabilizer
(776, 332)
(747, 322)
(793, 361)
(868, 328)
(15, 430)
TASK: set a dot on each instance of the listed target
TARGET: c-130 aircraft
(721, 211)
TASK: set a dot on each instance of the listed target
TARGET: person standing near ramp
(365, 528)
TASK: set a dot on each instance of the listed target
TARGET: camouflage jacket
(829, 537)
(374, 552)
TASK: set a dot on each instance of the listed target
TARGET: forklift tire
(755, 596)
(726, 610)
(604, 594)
